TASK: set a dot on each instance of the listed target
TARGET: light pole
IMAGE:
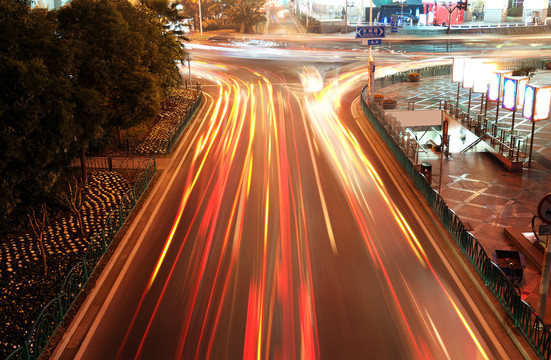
(346, 16)
(200, 19)
(402, 4)
(189, 57)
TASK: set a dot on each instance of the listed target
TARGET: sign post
(371, 32)
(544, 213)
(370, 35)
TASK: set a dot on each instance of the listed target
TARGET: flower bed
(168, 123)
(24, 289)
(414, 77)
(389, 103)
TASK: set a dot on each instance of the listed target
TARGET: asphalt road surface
(279, 232)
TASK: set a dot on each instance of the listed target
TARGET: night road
(281, 230)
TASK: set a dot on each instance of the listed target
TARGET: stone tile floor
(474, 184)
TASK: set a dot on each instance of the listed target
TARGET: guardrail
(524, 317)
(77, 278)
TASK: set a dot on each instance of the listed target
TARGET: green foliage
(311, 24)
(525, 71)
(69, 76)
(36, 125)
(245, 14)
(514, 11)
(212, 12)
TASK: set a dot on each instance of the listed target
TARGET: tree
(73, 199)
(245, 14)
(125, 62)
(95, 30)
(161, 49)
(211, 10)
(36, 125)
(38, 226)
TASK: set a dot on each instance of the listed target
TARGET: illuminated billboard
(513, 92)
(458, 69)
(482, 77)
(495, 84)
(537, 100)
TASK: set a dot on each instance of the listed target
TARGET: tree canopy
(36, 125)
(69, 76)
(245, 13)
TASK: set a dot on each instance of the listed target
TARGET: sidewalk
(487, 197)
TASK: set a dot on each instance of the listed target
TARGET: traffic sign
(371, 42)
(544, 209)
(370, 32)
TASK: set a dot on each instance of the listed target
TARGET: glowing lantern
(495, 84)
(537, 100)
(458, 69)
(482, 77)
(513, 91)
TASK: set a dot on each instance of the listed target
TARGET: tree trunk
(83, 165)
(119, 135)
(41, 242)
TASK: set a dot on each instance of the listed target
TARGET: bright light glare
(311, 79)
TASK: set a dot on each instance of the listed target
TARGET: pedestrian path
(486, 196)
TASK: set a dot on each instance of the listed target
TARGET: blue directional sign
(374, 42)
(370, 32)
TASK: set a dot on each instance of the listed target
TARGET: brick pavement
(486, 196)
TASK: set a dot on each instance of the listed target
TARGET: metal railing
(524, 317)
(78, 276)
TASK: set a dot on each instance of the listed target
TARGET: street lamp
(189, 58)
(495, 89)
(402, 4)
(458, 69)
(471, 67)
(537, 99)
(200, 19)
(513, 94)
(480, 85)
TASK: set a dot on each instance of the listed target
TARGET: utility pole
(345, 16)
(460, 6)
(200, 19)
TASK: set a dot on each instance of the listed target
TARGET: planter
(378, 100)
(389, 106)
(548, 66)
(414, 78)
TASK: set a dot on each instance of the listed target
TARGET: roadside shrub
(525, 71)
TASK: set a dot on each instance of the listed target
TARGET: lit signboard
(513, 92)
(482, 77)
(509, 94)
(537, 100)
(458, 69)
(495, 84)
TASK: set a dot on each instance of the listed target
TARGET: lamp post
(189, 57)
(513, 94)
(458, 69)
(471, 67)
(480, 85)
(402, 4)
(495, 89)
(200, 19)
(537, 99)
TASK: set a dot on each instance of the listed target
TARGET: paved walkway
(486, 196)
